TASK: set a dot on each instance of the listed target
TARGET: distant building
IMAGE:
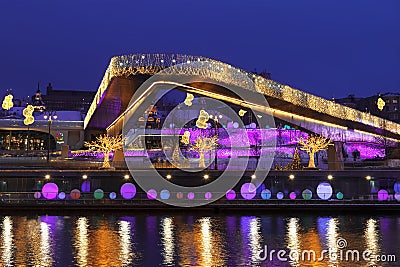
(72, 100)
(390, 109)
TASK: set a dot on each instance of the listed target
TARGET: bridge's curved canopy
(127, 72)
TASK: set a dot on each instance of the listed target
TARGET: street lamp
(49, 116)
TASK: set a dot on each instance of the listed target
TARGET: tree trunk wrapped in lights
(312, 145)
(203, 145)
(106, 144)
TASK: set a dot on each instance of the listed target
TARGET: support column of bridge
(335, 156)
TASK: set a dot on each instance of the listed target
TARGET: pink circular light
(75, 194)
(292, 195)
(152, 194)
(37, 195)
(128, 191)
(50, 191)
(248, 191)
(208, 195)
(230, 195)
(382, 195)
(190, 195)
(179, 195)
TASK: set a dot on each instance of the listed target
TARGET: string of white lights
(130, 65)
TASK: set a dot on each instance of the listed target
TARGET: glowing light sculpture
(106, 144)
(28, 114)
(7, 102)
(312, 145)
(188, 100)
(203, 145)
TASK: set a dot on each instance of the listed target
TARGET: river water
(200, 240)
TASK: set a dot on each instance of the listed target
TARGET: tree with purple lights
(106, 144)
(312, 145)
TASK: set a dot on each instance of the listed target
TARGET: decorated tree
(203, 145)
(312, 145)
(296, 162)
(106, 144)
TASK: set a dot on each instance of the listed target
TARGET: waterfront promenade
(352, 190)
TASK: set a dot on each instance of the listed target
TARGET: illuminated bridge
(126, 73)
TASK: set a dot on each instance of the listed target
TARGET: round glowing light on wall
(230, 194)
(128, 190)
(37, 195)
(75, 194)
(248, 190)
(266, 194)
(179, 195)
(397, 187)
(306, 194)
(279, 195)
(339, 195)
(383, 194)
(113, 195)
(208, 195)
(324, 191)
(190, 195)
(292, 195)
(61, 195)
(98, 194)
(85, 187)
(164, 194)
(152, 194)
(397, 196)
(50, 191)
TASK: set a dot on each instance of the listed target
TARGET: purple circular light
(397, 196)
(128, 191)
(383, 195)
(248, 191)
(152, 194)
(61, 195)
(230, 195)
(279, 195)
(85, 187)
(50, 191)
(292, 195)
(190, 195)
(208, 195)
(37, 195)
(75, 194)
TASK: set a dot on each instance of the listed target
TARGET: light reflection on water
(190, 240)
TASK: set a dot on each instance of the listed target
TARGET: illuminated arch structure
(298, 108)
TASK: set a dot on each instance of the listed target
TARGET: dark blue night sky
(329, 48)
